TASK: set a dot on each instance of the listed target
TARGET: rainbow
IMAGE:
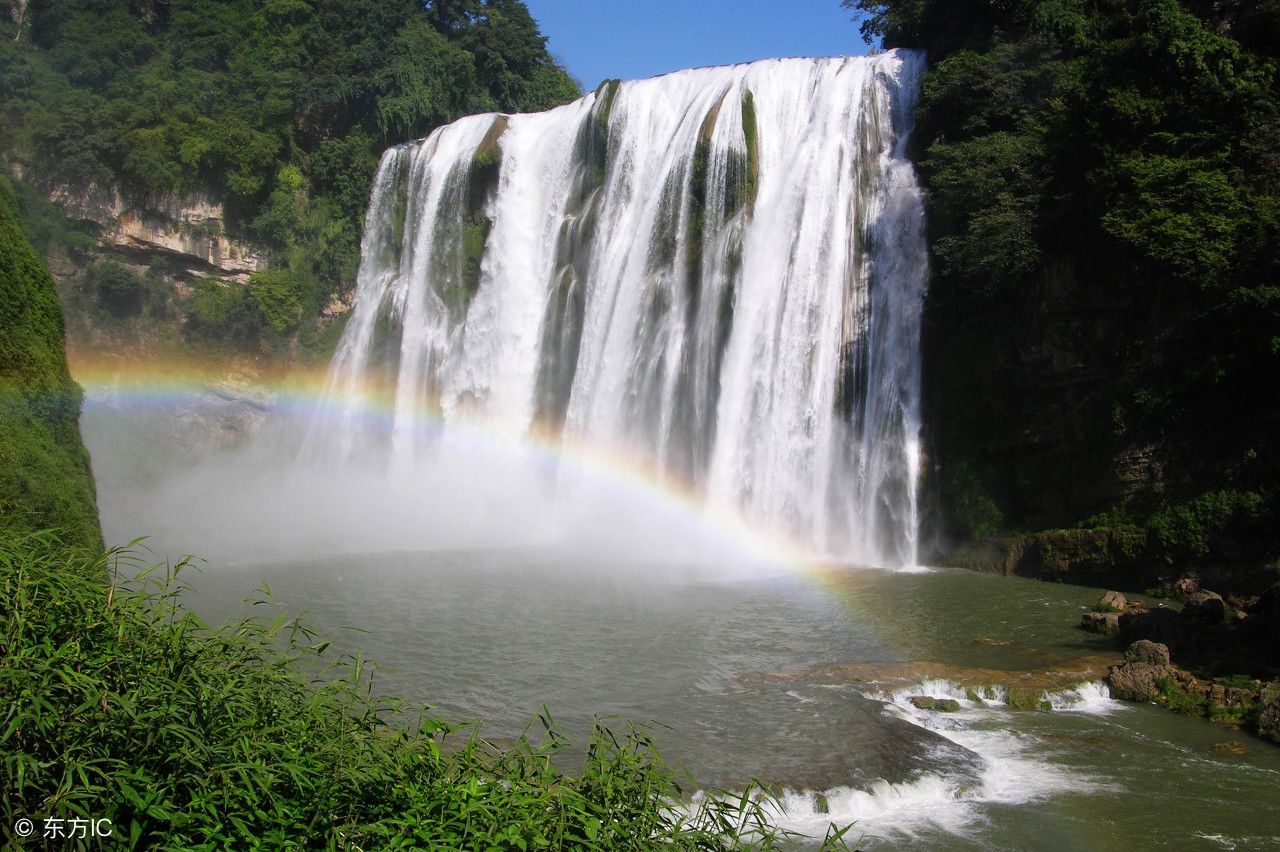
(158, 383)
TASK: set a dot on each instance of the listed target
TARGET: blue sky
(600, 39)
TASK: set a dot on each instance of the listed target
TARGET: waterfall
(719, 271)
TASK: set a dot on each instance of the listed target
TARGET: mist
(180, 476)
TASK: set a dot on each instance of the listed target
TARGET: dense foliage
(44, 470)
(1103, 325)
(277, 108)
(120, 704)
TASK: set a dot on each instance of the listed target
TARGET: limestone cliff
(188, 230)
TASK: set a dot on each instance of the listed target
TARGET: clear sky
(628, 39)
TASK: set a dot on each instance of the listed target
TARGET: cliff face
(45, 479)
(189, 231)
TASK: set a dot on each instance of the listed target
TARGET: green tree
(1103, 189)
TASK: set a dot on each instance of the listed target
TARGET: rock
(1185, 587)
(1163, 626)
(1113, 602)
(1205, 606)
(942, 705)
(1269, 722)
(1196, 688)
(1146, 651)
(1106, 623)
(1146, 663)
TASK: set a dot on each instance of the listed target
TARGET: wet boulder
(1141, 675)
(941, 705)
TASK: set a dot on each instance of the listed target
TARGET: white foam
(1093, 698)
(1009, 772)
(906, 810)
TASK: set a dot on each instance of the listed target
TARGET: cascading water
(718, 270)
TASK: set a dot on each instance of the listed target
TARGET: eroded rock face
(190, 229)
(1138, 678)
(195, 230)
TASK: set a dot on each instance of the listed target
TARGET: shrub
(117, 288)
(223, 312)
(276, 294)
(1194, 527)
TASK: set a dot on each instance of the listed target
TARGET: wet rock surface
(1216, 658)
(1140, 676)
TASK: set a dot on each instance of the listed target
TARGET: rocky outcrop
(1143, 675)
(189, 229)
(1120, 556)
(1269, 721)
(1104, 618)
(1087, 557)
(1113, 602)
(1221, 636)
(1148, 674)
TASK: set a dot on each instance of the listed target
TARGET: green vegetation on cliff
(1103, 324)
(45, 481)
(277, 108)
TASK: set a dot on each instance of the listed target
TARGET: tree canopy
(277, 108)
(1103, 184)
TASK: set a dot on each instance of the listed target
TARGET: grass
(120, 703)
